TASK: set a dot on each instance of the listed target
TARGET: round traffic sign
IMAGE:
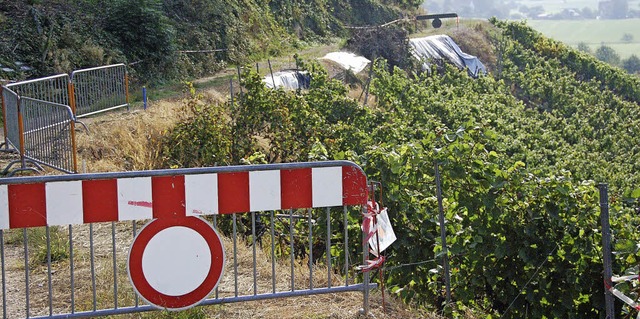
(174, 263)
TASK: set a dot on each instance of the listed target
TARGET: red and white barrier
(136, 198)
(173, 199)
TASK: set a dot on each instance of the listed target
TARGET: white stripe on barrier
(264, 190)
(134, 198)
(4, 207)
(326, 186)
(201, 194)
(64, 203)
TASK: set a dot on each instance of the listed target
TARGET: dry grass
(339, 305)
(125, 141)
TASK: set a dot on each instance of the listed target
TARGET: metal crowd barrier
(100, 89)
(51, 89)
(64, 240)
(10, 114)
(86, 92)
(48, 131)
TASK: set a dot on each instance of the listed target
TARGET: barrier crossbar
(100, 89)
(301, 222)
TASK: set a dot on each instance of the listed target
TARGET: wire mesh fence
(52, 105)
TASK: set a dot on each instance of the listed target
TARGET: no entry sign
(176, 263)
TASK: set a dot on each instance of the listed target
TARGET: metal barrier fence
(10, 114)
(100, 89)
(51, 89)
(48, 131)
(301, 222)
(86, 92)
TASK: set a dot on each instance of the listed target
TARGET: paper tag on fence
(386, 236)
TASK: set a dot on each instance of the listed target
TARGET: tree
(627, 37)
(632, 64)
(584, 47)
(607, 54)
(144, 32)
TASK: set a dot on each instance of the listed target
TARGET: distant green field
(593, 32)
(558, 5)
(554, 6)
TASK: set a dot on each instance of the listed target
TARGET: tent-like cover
(289, 79)
(347, 61)
(440, 47)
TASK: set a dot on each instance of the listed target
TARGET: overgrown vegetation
(520, 153)
(170, 39)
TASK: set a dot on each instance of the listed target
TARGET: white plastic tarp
(291, 79)
(440, 47)
(347, 61)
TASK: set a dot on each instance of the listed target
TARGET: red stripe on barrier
(354, 186)
(233, 192)
(27, 205)
(100, 200)
(295, 187)
(168, 196)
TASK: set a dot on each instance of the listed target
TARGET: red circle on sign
(146, 289)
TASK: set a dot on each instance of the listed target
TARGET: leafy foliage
(144, 33)
(632, 64)
(607, 54)
(519, 153)
(171, 39)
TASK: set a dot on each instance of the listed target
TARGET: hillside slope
(520, 153)
(170, 38)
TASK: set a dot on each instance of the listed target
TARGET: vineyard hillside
(520, 153)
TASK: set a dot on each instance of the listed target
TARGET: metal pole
(72, 268)
(49, 284)
(346, 246)
(126, 88)
(443, 235)
(365, 275)
(72, 103)
(239, 79)
(292, 252)
(328, 247)
(115, 266)
(271, 71)
(4, 279)
(253, 239)
(273, 253)
(26, 271)
(93, 267)
(144, 97)
(310, 222)
(606, 250)
(235, 253)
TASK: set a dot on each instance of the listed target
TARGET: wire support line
(417, 263)
(529, 281)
